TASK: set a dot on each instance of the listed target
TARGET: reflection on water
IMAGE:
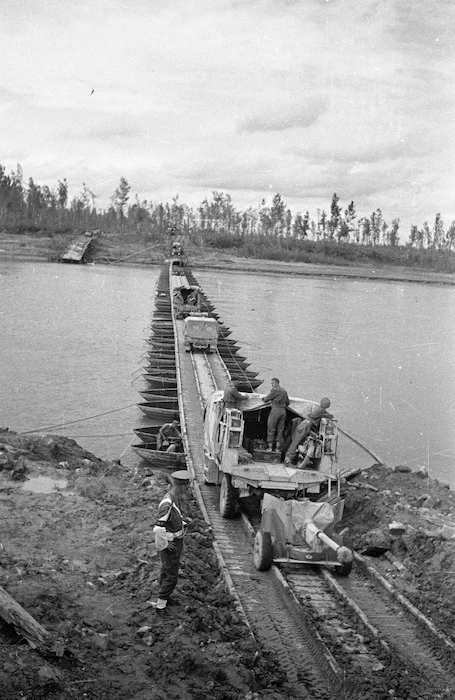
(73, 339)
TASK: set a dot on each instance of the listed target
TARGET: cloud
(114, 130)
(301, 98)
(10, 97)
(280, 117)
(360, 150)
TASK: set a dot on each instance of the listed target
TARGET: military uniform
(232, 396)
(279, 399)
(311, 423)
(169, 532)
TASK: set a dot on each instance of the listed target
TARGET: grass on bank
(149, 246)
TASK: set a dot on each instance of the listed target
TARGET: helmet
(325, 402)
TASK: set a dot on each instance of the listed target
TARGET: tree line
(33, 207)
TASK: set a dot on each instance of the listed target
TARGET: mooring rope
(130, 256)
(80, 420)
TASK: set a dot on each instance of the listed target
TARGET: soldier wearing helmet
(311, 422)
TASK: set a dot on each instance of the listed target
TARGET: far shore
(33, 248)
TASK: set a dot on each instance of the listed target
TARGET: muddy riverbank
(127, 251)
(77, 554)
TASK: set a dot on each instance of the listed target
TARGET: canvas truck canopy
(201, 327)
(251, 403)
(187, 294)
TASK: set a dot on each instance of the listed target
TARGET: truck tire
(263, 551)
(229, 500)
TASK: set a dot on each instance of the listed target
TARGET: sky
(251, 98)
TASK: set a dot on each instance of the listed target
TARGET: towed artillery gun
(300, 505)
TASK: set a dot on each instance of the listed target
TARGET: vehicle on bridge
(186, 300)
(200, 332)
(299, 504)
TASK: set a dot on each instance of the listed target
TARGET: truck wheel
(229, 501)
(263, 551)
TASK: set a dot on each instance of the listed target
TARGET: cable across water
(79, 420)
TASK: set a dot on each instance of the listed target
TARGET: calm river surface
(384, 352)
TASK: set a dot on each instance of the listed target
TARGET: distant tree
(288, 222)
(376, 226)
(365, 230)
(335, 215)
(249, 221)
(265, 218)
(11, 196)
(450, 237)
(62, 193)
(121, 196)
(218, 214)
(347, 224)
(277, 212)
(413, 235)
(343, 231)
(49, 198)
(322, 224)
(139, 214)
(34, 199)
(177, 212)
(301, 225)
(438, 233)
(426, 235)
(393, 234)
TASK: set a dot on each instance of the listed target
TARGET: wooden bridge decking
(78, 247)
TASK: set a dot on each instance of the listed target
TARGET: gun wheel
(344, 569)
(229, 501)
(263, 551)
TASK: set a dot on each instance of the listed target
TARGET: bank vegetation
(270, 231)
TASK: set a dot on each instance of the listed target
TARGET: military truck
(300, 507)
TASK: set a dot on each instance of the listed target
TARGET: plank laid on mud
(26, 625)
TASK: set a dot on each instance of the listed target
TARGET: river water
(73, 342)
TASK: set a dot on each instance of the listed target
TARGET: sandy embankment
(123, 251)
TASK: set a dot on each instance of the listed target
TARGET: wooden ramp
(79, 247)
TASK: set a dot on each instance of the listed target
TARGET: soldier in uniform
(232, 395)
(310, 423)
(169, 437)
(169, 532)
(279, 399)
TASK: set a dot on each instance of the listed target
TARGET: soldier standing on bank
(169, 532)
